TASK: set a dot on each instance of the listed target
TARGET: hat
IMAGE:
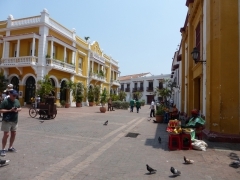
(9, 87)
(14, 92)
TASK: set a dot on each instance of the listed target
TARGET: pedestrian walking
(110, 104)
(138, 105)
(152, 107)
(131, 105)
(10, 108)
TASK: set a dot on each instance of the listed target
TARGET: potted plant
(96, 92)
(70, 85)
(160, 113)
(103, 101)
(77, 93)
(90, 96)
(44, 87)
(63, 103)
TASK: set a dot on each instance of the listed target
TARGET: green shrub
(120, 104)
(143, 102)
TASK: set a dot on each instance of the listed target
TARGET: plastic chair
(186, 141)
(172, 139)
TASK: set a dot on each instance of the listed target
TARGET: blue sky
(141, 34)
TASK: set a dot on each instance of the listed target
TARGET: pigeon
(188, 161)
(150, 169)
(236, 163)
(86, 38)
(106, 123)
(41, 121)
(149, 119)
(159, 139)
(3, 162)
(175, 171)
(154, 121)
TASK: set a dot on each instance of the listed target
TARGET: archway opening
(30, 89)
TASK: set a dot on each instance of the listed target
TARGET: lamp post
(195, 54)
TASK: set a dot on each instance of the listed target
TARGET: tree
(70, 85)
(96, 92)
(166, 91)
(104, 96)
(44, 87)
(122, 95)
(77, 92)
(137, 94)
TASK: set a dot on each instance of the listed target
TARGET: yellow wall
(3, 24)
(23, 31)
(59, 74)
(222, 66)
(53, 33)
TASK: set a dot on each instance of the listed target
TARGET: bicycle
(33, 111)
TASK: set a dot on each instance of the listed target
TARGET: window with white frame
(80, 63)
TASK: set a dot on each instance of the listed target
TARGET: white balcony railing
(114, 62)
(116, 82)
(60, 27)
(19, 61)
(26, 21)
(57, 64)
(97, 77)
(97, 57)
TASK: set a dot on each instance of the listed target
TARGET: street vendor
(194, 122)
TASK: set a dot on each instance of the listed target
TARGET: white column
(33, 47)
(92, 66)
(64, 54)
(51, 53)
(4, 44)
(73, 57)
(18, 47)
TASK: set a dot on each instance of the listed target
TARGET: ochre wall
(24, 31)
(223, 67)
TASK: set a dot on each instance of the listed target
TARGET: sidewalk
(76, 145)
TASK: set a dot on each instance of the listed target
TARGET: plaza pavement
(76, 145)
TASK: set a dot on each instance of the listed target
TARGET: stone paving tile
(76, 145)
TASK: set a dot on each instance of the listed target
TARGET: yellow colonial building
(35, 46)
(212, 86)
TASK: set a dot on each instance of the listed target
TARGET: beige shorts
(9, 126)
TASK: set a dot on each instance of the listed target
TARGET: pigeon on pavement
(236, 163)
(175, 171)
(41, 121)
(150, 169)
(159, 139)
(106, 123)
(3, 162)
(188, 161)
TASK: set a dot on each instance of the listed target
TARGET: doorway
(30, 89)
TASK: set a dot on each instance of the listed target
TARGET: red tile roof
(127, 77)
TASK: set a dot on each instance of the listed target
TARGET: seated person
(174, 114)
(195, 122)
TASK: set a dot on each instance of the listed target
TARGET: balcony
(139, 89)
(115, 82)
(19, 61)
(60, 65)
(127, 89)
(122, 89)
(149, 89)
(97, 77)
